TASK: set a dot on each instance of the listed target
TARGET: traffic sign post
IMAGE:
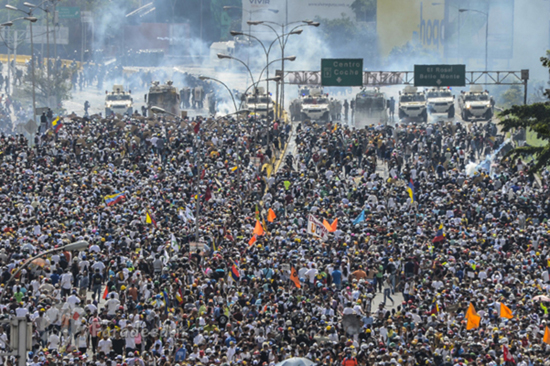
(342, 72)
(439, 75)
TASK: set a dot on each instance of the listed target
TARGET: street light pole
(222, 56)
(250, 12)
(486, 35)
(226, 87)
(283, 43)
(76, 246)
(33, 78)
(31, 19)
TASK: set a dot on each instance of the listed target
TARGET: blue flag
(359, 218)
(181, 354)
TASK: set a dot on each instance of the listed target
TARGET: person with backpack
(349, 360)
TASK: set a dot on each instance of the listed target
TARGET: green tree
(512, 96)
(58, 88)
(534, 117)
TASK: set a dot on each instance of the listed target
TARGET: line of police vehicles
(371, 106)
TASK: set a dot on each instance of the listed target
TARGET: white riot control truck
(412, 104)
(476, 104)
(441, 100)
(118, 101)
(315, 105)
(259, 103)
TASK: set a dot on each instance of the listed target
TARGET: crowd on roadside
(197, 255)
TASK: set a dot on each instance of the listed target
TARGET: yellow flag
(148, 219)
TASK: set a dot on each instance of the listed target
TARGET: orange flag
(330, 227)
(294, 277)
(472, 318)
(258, 230)
(334, 225)
(473, 322)
(252, 240)
(471, 311)
(546, 338)
(271, 215)
(505, 312)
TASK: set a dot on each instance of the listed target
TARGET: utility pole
(20, 338)
(33, 79)
(283, 63)
(54, 26)
(15, 41)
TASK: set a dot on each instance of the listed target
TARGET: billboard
(288, 11)
(401, 21)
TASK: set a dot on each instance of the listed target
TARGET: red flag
(197, 127)
(506, 354)
(76, 315)
(105, 292)
(208, 194)
(203, 173)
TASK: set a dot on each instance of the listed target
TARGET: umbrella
(542, 298)
(296, 361)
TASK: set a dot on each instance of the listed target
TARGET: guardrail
(23, 59)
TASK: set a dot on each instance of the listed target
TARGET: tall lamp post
(222, 56)
(21, 322)
(250, 12)
(202, 77)
(268, 49)
(486, 32)
(76, 246)
(284, 42)
(47, 11)
(31, 19)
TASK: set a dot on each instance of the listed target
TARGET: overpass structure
(388, 78)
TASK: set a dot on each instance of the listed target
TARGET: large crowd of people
(202, 252)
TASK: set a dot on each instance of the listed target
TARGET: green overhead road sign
(342, 72)
(439, 75)
(68, 12)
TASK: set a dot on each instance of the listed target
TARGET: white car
(412, 104)
(476, 104)
(118, 102)
(259, 105)
(441, 101)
